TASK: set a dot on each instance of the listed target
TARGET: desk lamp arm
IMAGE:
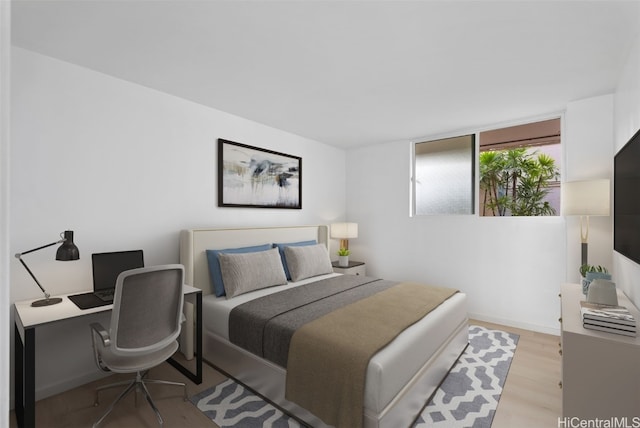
(19, 257)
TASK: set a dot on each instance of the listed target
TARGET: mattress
(390, 369)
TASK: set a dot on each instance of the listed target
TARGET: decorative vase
(603, 292)
(585, 285)
(343, 261)
(590, 277)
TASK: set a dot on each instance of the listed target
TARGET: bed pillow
(214, 264)
(280, 248)
(307, 261)
(245, 272)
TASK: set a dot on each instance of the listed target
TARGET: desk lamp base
(46, 302)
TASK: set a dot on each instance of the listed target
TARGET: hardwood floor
(530, 398)
(75, 409)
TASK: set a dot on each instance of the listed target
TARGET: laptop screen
(107, 267)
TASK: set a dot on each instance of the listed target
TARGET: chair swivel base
(138, 383)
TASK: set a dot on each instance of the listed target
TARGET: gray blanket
(265, 326)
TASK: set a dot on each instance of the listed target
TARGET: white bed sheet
(391, 368)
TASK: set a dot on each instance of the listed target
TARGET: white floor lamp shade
(586, 198)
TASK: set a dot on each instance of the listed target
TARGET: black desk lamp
(67, 251)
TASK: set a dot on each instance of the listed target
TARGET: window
(520, 170)
(444, 176)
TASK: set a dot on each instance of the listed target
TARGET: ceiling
(347, 73)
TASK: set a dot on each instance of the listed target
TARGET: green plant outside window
(516, 182)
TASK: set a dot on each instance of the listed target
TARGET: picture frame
(253, 177)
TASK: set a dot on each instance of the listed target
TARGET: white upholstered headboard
(195, 242)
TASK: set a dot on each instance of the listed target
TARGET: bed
(399, 378)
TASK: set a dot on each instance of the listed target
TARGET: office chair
(145, 323)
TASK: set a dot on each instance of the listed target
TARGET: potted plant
(591, 272)
(343, 257)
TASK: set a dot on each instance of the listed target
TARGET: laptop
(107, 267)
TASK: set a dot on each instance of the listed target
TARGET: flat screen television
(626, 200)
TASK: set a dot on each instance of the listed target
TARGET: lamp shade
(586, 198)
(344, 230)
(68, 250)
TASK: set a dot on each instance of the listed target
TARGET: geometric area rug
(229, 404)
(468, 397)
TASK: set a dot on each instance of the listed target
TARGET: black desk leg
(197, 376)
(199, 339)
(25, 378)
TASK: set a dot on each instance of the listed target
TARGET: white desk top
(33, 316)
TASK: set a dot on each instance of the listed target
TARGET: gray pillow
(242, 273)
(305, 262)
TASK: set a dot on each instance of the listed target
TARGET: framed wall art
(257, 178)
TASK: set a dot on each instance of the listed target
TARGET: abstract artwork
(258, 178)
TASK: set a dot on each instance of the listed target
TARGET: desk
(28, 319)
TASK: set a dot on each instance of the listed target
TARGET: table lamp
(585, 198)
(344, 232)
(67, 251)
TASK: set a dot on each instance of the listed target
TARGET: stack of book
(612, 319)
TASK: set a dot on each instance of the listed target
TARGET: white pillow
(305, 262)
(242, 273)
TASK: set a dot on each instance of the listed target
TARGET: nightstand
(354, 268)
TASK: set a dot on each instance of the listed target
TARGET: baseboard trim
(516, 324)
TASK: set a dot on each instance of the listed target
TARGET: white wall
(126, 167)
(627, 123)
(511, 267)
(588, 149)
(5, 306)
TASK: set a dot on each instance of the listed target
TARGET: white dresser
(600, 371)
